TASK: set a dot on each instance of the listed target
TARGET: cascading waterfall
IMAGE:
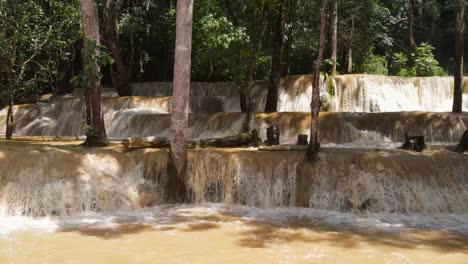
(364, 93)
(40, 180)
(146, 113)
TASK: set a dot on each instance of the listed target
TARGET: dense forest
(41, 41)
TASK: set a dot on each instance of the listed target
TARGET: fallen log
(240, 140)
(283, 148)
(463, 145)
(146, 142)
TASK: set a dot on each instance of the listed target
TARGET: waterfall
(44, 180)
(357, 103)
(364, 93)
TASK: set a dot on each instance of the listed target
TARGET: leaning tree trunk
(459, 53)
(412, 42)
(95, 131)
(120, 74)
(334, 34)
(314, 146)
(180, 103)
(275, 79)
(10, 124)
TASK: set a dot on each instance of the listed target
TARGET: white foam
(171, 215)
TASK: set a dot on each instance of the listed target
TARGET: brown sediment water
(219, 234)
(62, 203)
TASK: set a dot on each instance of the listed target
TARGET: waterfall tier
(215, 109)
(364, 93)
(344, 93)
(66, 118)
(64, 179)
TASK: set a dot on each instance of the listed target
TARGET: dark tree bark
(412, 42)
(334, 34)
(314, 146)
(275, 79)
(10, 124)
(231, 7)
(180, 101)
(459, 54)
(245, 90)
(96, 131)
(120, 74)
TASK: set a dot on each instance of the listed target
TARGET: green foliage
(96, 57)
(89, 131)
(400, 65)
(328, 64)
(423, 65)
(232, 40)
(374, 64)
(35, 36)
(216, 46)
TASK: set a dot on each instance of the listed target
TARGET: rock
(463, 145)
(302, 140)
(414, 143)
(325, 103)
(273, 136)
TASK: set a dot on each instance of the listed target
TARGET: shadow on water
(260, 233)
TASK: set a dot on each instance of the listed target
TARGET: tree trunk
(412, 42)
(10, 124)
(334, 34)
(349, 61)
(459, 53)
(119, 73)
(314, 146)
(231, 11)
(180, 101)
(275, 79)
(96, 131)
(349, 53)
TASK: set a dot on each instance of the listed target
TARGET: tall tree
(349, 51)
(120, 74)
(459, 54)
(277, 57)
(181, 92)
(314, 146)
(95, 130)
(412, 42)
(334, 34)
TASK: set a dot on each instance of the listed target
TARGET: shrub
(375, 64)
(425, 64)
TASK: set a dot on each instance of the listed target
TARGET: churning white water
(166, 215)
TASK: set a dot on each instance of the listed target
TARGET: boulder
(463, 145)
(414, 143)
